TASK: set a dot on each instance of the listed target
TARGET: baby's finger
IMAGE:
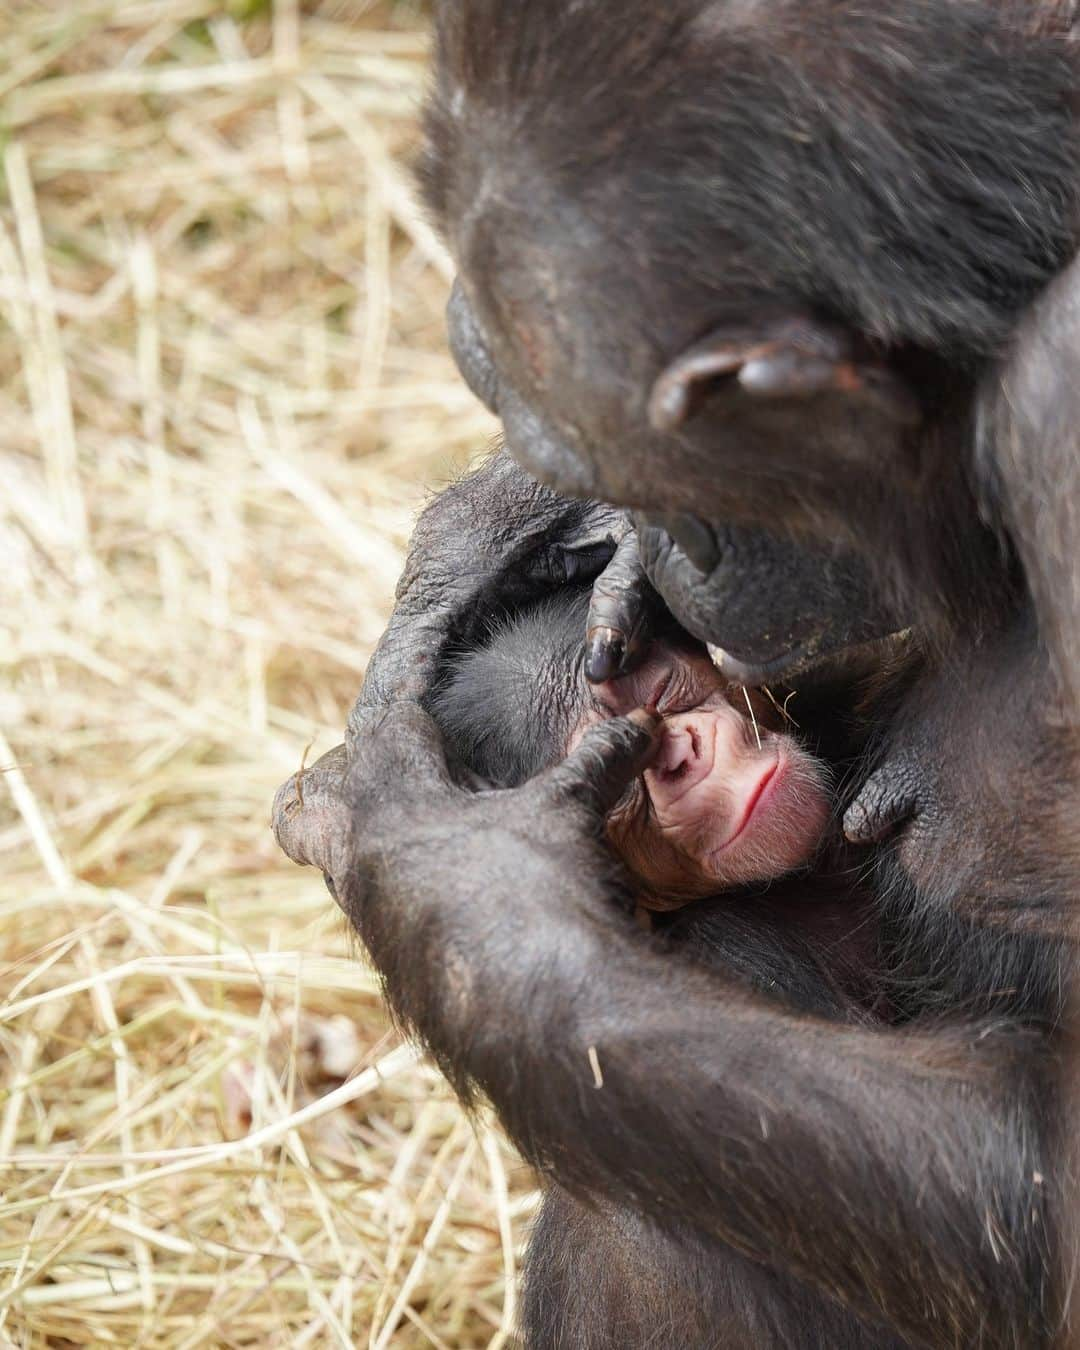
(609, 757)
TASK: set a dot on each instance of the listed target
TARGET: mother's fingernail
(604, 657)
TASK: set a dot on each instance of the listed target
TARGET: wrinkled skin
(726, 800)
(496, 538)
(902, 1180)
(490, 917)
(780, 384)
(816, 600)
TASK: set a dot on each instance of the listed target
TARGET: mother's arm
(1029, 467)
(899, 1171)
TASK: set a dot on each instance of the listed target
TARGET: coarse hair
(508, 705)
(907, 167)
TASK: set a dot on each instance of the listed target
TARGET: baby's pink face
(724, 803)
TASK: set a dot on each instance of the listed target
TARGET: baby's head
(725, 803)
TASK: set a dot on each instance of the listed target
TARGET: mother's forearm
(898, 1171)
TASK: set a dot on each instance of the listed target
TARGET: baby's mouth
(753, 800)
(695, 751)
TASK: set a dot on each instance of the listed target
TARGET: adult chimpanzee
(748, 269)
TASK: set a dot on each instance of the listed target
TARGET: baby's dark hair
(507, 707)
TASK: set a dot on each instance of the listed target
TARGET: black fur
(508, 705)
(617, 182)
(910, 169)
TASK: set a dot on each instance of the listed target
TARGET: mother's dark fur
(785, 215)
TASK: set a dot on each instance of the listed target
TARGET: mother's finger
(620, 613)
(606, 761)
(494, 539)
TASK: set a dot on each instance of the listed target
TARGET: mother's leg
(598, 1277)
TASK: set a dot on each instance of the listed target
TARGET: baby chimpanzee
(727, 802)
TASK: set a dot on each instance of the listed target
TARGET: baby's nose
(679, 750)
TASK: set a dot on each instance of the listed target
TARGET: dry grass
(223, 390)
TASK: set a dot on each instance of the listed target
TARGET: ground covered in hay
(223, 394)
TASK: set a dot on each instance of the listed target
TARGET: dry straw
(223, 393)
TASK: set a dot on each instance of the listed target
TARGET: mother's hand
(381, 814)
(389, 807)
(493, 539)
(451, 889)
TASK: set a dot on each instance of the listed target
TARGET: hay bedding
(223, 391)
